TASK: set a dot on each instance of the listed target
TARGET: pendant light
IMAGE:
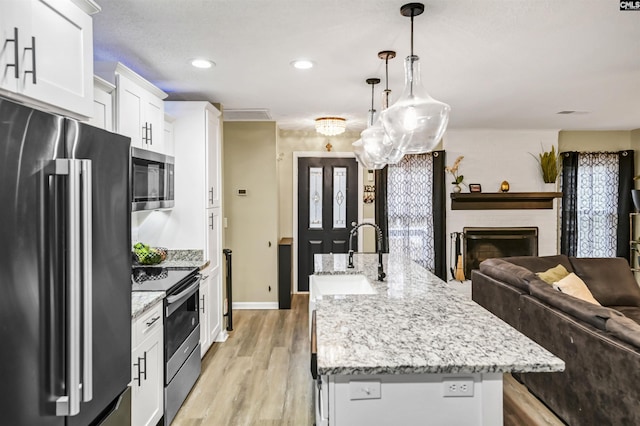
(374, 139)
(368, 160)
(416, 122)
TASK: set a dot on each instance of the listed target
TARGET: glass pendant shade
(416, 122)
(364, 159)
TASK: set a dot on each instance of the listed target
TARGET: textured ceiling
(502, 64)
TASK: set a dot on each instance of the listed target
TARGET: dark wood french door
(327, 205)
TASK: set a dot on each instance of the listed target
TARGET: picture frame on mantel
(475, 187)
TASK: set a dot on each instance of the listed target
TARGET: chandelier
(331, 126)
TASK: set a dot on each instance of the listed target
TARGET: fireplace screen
(487, 243)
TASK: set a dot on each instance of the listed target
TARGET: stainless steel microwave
(152, 180)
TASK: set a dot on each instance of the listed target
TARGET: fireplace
(485, 243)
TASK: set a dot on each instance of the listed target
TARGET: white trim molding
(255, 305)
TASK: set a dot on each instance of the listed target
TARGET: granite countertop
(142, 301)
(184, 259)
(416, 323)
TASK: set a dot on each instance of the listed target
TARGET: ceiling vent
(572, 112)
(247, 115)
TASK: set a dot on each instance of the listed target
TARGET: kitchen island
(415, 352)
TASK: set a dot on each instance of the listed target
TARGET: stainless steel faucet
(354, 231)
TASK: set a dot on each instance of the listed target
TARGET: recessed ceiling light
(302, 64)
(202, 63)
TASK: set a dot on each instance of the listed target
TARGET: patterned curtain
(410, 209)
(597, 204)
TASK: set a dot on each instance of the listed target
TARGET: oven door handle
(184, 294)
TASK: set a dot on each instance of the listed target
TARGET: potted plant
(549, 165)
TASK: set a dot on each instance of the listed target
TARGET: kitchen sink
(322, 285)
(335, 285)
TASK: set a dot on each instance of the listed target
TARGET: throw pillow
(554, 274)
(574, 286)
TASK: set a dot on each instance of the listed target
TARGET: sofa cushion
(632, 312)
(540, 263)
(609, 279)
(507, 272)
(588, 312)
(625, 329)
(554, 274)
(574, 286)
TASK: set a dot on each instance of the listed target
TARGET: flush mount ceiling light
(416, 122)
(202, 63)
(331, 126)
(302, 64)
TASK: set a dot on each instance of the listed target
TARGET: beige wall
(594, 140)
(252, 220)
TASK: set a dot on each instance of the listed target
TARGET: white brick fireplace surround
(490, 157)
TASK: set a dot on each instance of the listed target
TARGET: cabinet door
(11, 22)
(130, 104)
(147, 403)
(213, 151)
(102, 109)
(58, 69)
(213, 250)
(215, 305)
(168, 141)
(153, 116)
(205, 343)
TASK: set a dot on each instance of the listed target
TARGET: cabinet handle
(211, 221)
(150, 134)
(16, 52)
(202, 300)
(137, 364)
(144, 133)
(211, 195)
(33, 60)
(153, 320)
(145, 366)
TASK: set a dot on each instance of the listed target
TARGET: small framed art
(475, 187)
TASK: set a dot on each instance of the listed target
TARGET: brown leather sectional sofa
(599, 344)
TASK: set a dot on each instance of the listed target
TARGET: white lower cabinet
(210, 309)
(147, 364)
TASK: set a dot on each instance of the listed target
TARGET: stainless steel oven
(181, 330)
(182, 344)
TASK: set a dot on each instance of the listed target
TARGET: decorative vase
(457, 189)
(504, 186)
(549, 187)
(635, 196)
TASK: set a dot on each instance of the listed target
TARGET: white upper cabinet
(103, 93)
(213, 153)
(47, 54)
(139, 107)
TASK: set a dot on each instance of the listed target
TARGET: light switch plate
(364, 389)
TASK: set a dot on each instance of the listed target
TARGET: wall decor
(369, 195)
(475, 187)
(504, 186)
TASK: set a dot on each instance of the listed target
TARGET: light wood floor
(260, 376)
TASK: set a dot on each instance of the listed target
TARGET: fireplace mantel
(503, 200)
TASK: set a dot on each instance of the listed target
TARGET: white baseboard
(255, 305)
(222, 336)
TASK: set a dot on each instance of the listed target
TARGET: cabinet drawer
(147, 324)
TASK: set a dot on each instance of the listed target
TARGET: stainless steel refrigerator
(65, 265)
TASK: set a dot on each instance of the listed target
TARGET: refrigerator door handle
(87, 278)
(69, 404)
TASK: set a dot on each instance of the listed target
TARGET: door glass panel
(339, 197)
(315, 197)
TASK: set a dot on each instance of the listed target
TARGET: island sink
(324, 285)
